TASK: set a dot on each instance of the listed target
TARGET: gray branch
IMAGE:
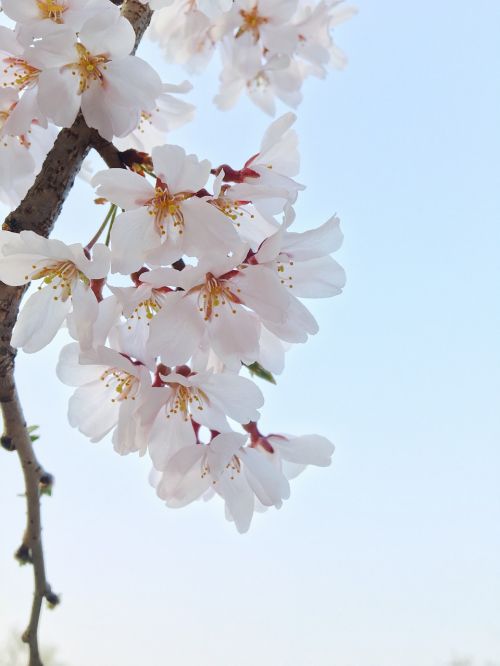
(38, 212)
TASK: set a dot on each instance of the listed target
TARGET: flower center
(231, 208)
(147, 308)
(214, 293)
(251, 22)
(186, 399)
(123, 384)
(61, 276)
(52, 10)
(165, 205)
(89, 67)
(19, 73)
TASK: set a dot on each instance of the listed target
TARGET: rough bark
(38, 212)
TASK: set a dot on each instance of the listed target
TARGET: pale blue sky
(391, 557)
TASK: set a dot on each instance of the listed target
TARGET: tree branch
(38, 212)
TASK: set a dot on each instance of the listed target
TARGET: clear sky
(391, 557)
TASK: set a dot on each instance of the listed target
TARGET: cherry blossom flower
(65, 273)
(186, 399)
(167, 220)
(169, 114)
(138, 304)
(264, 80)
(265, 21)
(105, 400)
(220, 302)
(95, 72)
(302, 260)
(239, 474)
(267, 177)
(39, 15)
(186, 34)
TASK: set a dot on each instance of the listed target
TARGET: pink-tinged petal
(132, 83)
(168, 436)
(123, 188)
(318, 278)
(266, 480)
(305, 450)
(58, 96)
(299, 324)
(129, 436)
(181, 172)
(221, 449)
(133, 234)
(235, 337)
(92, 412)
(177, 330)
(314, 243)
(272, 352)
(108, 32)
(21, 11)
(206, 229)
(85, 310)
(235, 396)
(261, 290)
(9, 42)
(275, 132)
(39, 320)
(69, 369)
(239, 498)
(99, 265)
(183, 480)
(109, 117)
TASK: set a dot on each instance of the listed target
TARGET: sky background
(390, 557)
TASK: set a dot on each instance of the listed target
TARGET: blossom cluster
(69, 56)
(268, 47)
(208, 292)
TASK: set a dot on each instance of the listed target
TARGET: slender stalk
(111, 214)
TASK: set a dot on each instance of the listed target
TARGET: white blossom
(65, 273)
(95, 73)
(166, 220)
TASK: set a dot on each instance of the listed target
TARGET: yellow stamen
(52, 10)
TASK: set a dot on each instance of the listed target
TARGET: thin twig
(15, 429)
(38, 212)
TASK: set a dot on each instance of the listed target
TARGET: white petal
(39, 320)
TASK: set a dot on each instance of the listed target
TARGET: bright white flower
(266, 22)
(301, 259)
(221, 305)
(24, 144)
(185, 33)
(239, 474)
(185, 400)
(95, 72)
(169, 114)
(138, 306)
(267, 176)
(294, 454)
(18, 74)
(313, 26)
(165, 221)
(244, 68)
(105, 400)
(65, 273)
(38, 15)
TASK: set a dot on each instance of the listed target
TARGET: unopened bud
(23, 554)
(53, 599)
(7, 443)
